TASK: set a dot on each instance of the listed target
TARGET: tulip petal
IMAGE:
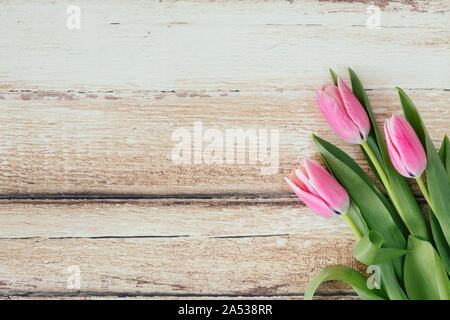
(338, 118)
(327, 186)
(333, 92)
(297, 181)
(315, 204)
(354, 108)
(302, 175)
(409, 146)
(393, 152)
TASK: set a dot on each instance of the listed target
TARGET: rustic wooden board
(158, 266)
(77, 296)
(114, 91)
(236, 45)
(217, 218)
(168, 247)
(75, 143)
(87, 116)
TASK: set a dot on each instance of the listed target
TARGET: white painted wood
(229, 45)
(91, 112)
(165, 218)
(84, 143)
(216, 266)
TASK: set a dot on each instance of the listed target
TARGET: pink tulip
(343, 112)
(319, 190)
(406, 151)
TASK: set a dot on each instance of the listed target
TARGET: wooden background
(86, 119)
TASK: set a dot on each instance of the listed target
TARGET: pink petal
(393, 153)
(327, 187)
(302, 175)
(409, 146)
(297, 181)
(333, 92)
(315, 204)
(354, 108)
(338, 118)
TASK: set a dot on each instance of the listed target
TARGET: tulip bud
(406, 151)
(343, 112)
(315, 186)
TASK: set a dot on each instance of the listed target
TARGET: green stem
(386, 183)
(424, 190)
(352, 226)
(377, 166)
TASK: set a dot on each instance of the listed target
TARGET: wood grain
(228, 45)
(87, 115)
(218, 218)
(78, 144)
(231, 266)
(162, 248)
(93, 110)
(79, 296)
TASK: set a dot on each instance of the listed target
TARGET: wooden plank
(75, 296)
(79, 118)
(160, 266)
(219, 218)
(229, 45)
(91, 112)
(53, 142)
(160, 248)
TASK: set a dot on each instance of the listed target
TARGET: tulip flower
(343, 112)
(315, 186)
(406, 151)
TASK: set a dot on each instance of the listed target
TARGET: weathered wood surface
(233, 267)
(168, 247)
(228, 45)
(77, 296)
(50, 144)
(87, 115)
(217, 218)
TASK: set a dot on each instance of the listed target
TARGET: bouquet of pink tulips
(394, 239)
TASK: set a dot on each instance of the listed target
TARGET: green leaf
(369, 251)
(389, 282)
(334, 76)
(412, 115)
(355, 215)
(365, 194)
(444, 154)
(425, 275)
(407, 205)
(437, 177)
(398, 188)
(348, 161)
(438, 235)
(387, 203)
(438, 187)
(347, 275)
(439, 239)
(360, 93)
